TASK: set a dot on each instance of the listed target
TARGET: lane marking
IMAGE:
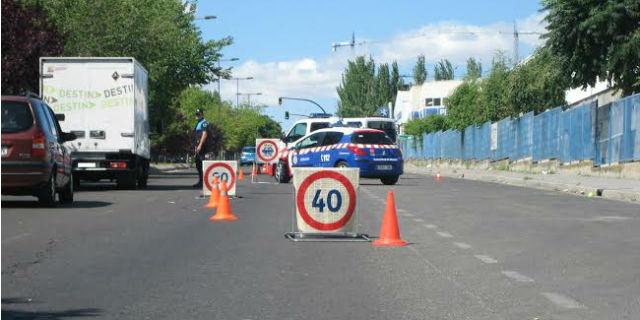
(485, 258)
(16, 237)
(402, 210)
(562, 300)
(462, 245)
(609, 219)
(418, 220)
(444, 234)
(517, 276)
(430, 226)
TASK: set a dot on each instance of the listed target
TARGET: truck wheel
(342, 164)
(143, 176)
(282, 173)
(76, 181)
(391, 180)
(66, 196)
(47, 195)
(126, 182)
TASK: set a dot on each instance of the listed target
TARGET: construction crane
(352, 43)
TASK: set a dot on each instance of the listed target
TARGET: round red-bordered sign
(302, 190)
(259, 149)
(219, 164)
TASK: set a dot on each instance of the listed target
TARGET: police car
(370, 150)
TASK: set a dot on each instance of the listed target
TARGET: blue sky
(286, 45)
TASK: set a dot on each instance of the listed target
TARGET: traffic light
(286, 115)
(280, 102)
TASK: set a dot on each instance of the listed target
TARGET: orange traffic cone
(390, 231)
(270, 169)
(438, 177)
(223, 212)
(241, 175)
(254, 171)
(214, 198)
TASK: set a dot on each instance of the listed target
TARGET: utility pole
(238, 88)
(219, 68)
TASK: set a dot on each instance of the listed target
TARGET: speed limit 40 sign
(224, 170)
(326, 199)
(267, 150)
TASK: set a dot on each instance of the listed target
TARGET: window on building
(428, 102)
(436, 102)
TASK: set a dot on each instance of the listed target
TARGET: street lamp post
(301, 99)
(249, 95)
(219, 68)
(238, 88)
(206, 18)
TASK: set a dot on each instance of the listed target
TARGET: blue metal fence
(607, 134)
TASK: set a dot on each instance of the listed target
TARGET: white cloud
(317, 79)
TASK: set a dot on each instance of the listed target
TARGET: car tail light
(357, 151)
(38, 145)
(118, 165)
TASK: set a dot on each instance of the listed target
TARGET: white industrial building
(423, 100)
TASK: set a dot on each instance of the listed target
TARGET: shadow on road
(50, 315)
(78, 204)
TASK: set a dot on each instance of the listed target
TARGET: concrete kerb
(483, 171)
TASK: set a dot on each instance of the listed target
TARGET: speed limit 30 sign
(326, 199)
(224, 170)
(267, 150)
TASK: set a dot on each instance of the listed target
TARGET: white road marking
(430, 226)
(562, 300)
(462, 245)
(444, 234)
(517, 276)
(402, 210)
(16, 237)
(609, 218)
(485, 258)
(418, 220)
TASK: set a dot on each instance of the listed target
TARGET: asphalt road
(478, 251)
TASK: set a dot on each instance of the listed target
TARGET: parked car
(34, 159)
(370, 150)
(248, 156)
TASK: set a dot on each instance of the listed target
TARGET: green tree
(538, 84)
(494, 96)
(396, 83)
(443, 70)
(420, 71)
(161, 34)
(27, 35)
(596, 39)
(384, 89)
(474, 69)
(464, 105)
(432, 123)
(357, 89)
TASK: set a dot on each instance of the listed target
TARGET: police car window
(298, 131)
(332, 138)
(386, 126)
(354, 124)
(313, 140)
(371, 138)
(319, 125)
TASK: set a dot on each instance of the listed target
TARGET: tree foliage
(432, 123)
(420, 71)
(357, 92)
(443, 70)
(464, 105)
(27, 35)
(474, 69)
(596, 39)
(237, 127)
(161, 34)
(396, 84)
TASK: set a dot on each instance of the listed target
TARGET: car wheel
(66, 196)
(282, 174)
(76, 181)
(342, 164)
(143, 176)
(47, 195)
(391, 180)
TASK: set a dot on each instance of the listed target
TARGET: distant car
(34, 160)
(248, 156)
(370, 150)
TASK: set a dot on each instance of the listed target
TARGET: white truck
(104, 101)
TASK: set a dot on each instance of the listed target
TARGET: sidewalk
(609, 188)
(156, 168)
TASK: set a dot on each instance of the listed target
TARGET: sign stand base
(327, 237)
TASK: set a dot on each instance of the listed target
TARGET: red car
(34, 159)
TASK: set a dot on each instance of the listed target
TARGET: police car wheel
(342, 164)
(390, 180)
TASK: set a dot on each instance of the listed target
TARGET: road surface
(478, 251)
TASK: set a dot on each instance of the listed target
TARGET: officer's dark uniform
(200, 128)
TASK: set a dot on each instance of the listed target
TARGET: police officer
(200, 138)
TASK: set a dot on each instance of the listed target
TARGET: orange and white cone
(215, 194)
(390, 231)
(223, 212)
(254, 171)
(241, 175)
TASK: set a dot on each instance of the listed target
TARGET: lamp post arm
(306, 100)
